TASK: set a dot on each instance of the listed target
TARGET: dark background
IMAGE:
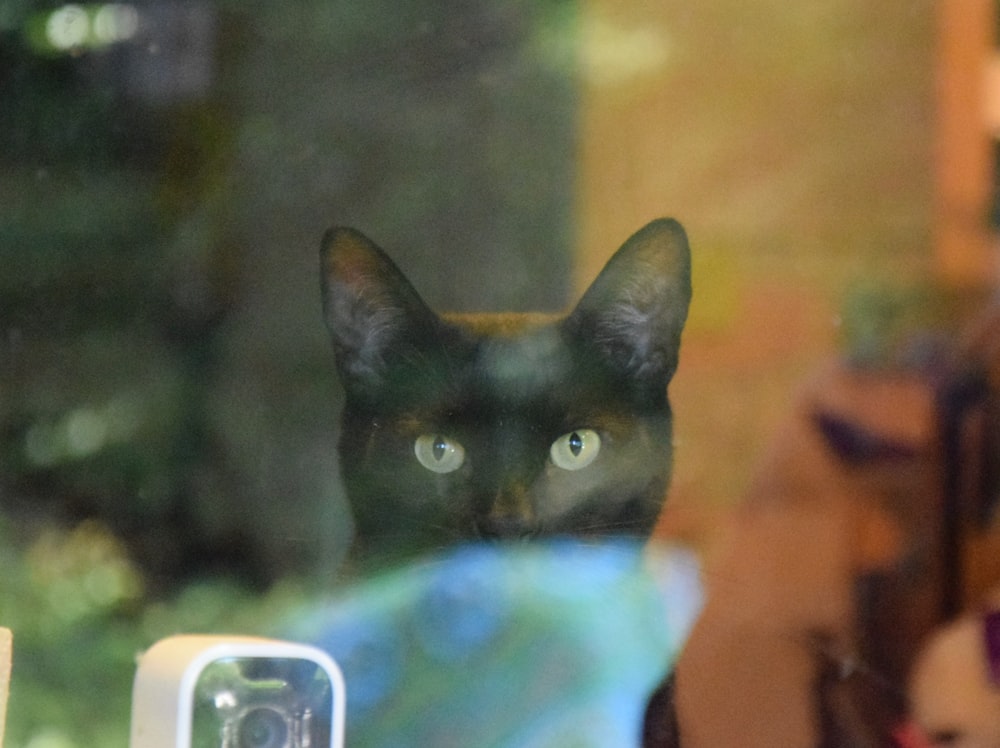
(163, 361)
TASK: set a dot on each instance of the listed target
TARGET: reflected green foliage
(885, 325)
(80, 612)
(168, 403)
(163, 363)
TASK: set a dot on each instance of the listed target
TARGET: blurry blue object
(540, 644)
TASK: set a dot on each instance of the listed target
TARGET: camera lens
(263, 727)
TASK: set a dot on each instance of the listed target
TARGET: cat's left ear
(375, 317)
(634, 311)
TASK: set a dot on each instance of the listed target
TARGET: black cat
(505, 425)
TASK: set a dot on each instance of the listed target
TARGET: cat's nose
(504, 527)
(509, 516)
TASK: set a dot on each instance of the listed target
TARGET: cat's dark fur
(483, 398)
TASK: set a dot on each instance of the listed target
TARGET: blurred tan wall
(794, 141)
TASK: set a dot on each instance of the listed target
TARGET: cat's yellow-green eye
(438, 453)
(575, 450)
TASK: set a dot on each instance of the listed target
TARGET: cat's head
(513, 425)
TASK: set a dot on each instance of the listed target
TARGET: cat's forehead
(518, 355)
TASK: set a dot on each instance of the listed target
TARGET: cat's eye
(438, 453)
(575, 450)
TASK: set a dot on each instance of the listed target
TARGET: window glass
(170, 405)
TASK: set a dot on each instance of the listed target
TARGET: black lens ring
(262, 727)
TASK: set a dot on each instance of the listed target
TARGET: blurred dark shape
(171, 60)
(870, 522)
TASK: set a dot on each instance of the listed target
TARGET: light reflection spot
(68, 27)
(40, 445)
(86, 432)
(115, 22)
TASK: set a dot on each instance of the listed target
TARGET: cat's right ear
(374, 315)
(634, 311)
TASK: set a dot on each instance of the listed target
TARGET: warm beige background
(797, 143)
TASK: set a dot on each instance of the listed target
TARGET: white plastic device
(252, 692)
